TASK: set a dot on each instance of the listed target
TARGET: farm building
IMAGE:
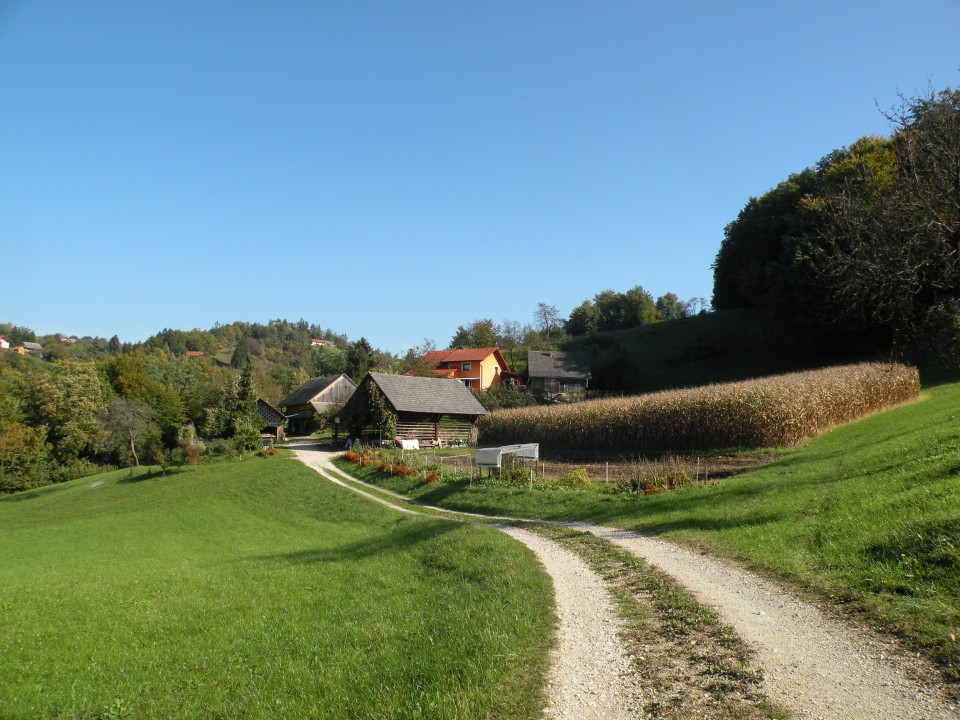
(435, 411)
(554, 371)
(314, 397)
(273, 421)
(476, 368)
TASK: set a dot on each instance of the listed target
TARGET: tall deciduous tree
(25, 460)
(328, 360)
(889, 244)
(68, 400)
(126, 421)
(478, 334)
(670, 307)
(546, 318)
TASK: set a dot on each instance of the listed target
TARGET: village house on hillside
(555, 371)
(434, 411)
(4, 343)
(476, 368)
(312, 398)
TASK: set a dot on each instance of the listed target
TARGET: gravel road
(590, 673)
(814, 664)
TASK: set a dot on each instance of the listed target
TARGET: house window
(466, 382)
(465, 366)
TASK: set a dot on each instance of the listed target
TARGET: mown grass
(251, 589)
(867, 515)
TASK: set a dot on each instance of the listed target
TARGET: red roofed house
(477, 368)
(194, 353)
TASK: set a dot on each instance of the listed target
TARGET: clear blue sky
(394, 169)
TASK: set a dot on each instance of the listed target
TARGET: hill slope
(248, 589)
(714, 347)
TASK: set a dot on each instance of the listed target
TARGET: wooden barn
(435, 411)
(312, 398)
(557, 372)
(273, 422)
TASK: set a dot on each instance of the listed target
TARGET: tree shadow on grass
(397, 539)
(704, 524)
(440, 493)
(150, 474)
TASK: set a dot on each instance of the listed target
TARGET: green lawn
(867, 515)
(254, 589)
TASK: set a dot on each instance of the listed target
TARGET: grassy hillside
(252, 589)
(715, 347)
(867, 514)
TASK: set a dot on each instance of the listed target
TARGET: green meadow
(254, 589)
(866, 516)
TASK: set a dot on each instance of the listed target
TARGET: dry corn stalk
(775, 411)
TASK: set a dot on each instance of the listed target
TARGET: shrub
(192, 452)
(775, 411)
(221, 446)
(574, 479)
(432, 477)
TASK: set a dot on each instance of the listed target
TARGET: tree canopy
(865, 242)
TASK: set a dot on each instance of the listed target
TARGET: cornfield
(775, 411)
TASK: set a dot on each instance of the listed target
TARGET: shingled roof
(308, 391)
(431, 396)
(558, 364)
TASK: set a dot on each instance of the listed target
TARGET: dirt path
(814, 664)
(590, 672)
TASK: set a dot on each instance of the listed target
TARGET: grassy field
(867, 515)
(251, 589)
